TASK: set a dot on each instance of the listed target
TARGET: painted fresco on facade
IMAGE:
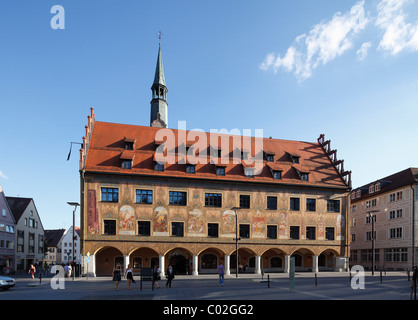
(258, 225)
(228, 224)
(160, 221)
(195, 223)
(93, 218)
(127, 220)
(283, 226)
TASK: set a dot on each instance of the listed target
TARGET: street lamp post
(372, 217)
(236, 237)
(75, 205)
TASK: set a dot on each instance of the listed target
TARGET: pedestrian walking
(129, 276)
(116, 276)
(156, 276)
(169, 275)
(221, 274)
(32, 271)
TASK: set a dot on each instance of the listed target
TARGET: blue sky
(296, 69)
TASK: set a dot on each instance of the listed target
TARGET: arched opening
(303, 259)
(327, 260)
(106, 259)
(143, 258)
(273, 260)
(180, 259)
(209, 260)
(246, 261)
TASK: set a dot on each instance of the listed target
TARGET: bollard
(316, 279)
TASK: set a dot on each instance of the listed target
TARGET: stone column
(162, 266)
(125, 264)
(227, 265)
(257, 265)
(315, 267)
(286, 264)
(195, 265)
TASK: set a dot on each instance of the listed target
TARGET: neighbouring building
(139, 209)
(7, 237)
(29, 241)
(53, 241)
(390, 206)
(67, 246)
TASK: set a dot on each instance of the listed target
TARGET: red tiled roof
(107, 145)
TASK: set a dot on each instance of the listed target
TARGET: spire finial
(160, 35)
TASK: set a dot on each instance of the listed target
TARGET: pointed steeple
(159, 113)
(159, 70)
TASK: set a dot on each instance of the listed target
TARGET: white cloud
(363, 51)
(324, 42)
(399, 35)
(2, 175)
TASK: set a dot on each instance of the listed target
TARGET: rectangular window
(213, 200)
(126, 164)
(310, 233)
(110, 194)
(329, 233)
(310, 204)
(294, 232)
(244, 231)
(270, 158)
(295, 204)
(220, 171)
(178, 198)
(177, 229)
(190, 168)
(333, 205)
(213, 230)
(244, 201)
(109, 227)
(144, 228)
(272, 232)
(271, 203)
(277, 175)
(159, 166)
(144, 196)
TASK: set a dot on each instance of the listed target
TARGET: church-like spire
(159, 115)
(159, 70)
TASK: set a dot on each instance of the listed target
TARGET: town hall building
(151, 195)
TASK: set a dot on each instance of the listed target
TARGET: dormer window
(244, 155)
(126, 159)
(126, 164)
(220, 171)
(377, 187)
(371, 188)
(277, 175)
(358, 193)
(190, 168)
(159, 166)
(270, 157)
(294, 157)
(129, 144)
(302, 172)
(249, 172)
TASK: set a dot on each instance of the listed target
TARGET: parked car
(6, 282)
